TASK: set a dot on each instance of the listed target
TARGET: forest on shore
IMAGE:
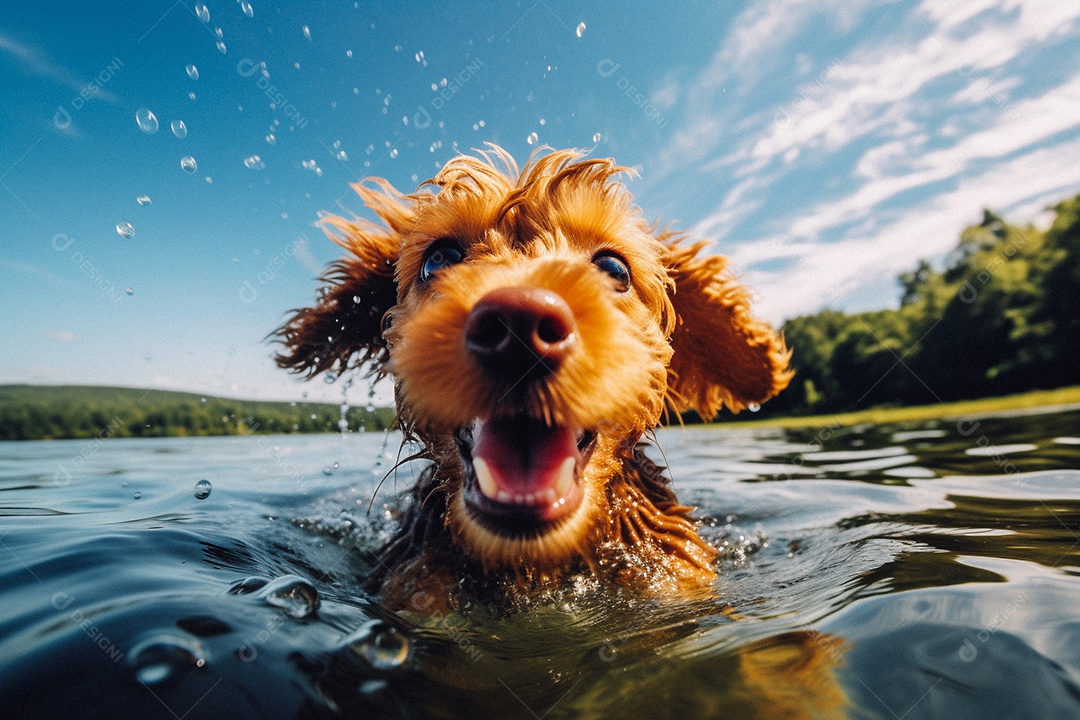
(1002, 316)
(38, 412)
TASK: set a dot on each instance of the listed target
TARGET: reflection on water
(920, 571)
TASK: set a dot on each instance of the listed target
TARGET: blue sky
(824, 146)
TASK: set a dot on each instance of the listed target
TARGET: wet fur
(681, 338)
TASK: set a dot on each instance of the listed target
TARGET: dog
(536, 328)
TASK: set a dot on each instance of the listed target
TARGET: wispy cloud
(892, 139)
(826, 274)
(34, 62)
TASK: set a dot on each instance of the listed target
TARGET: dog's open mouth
(522, 476)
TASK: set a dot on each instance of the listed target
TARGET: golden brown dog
(536, 327)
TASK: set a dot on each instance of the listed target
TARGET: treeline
(35, 412)
(1003, 316)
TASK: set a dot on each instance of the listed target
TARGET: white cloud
(942, 118)
(827, 273)
(35, 62)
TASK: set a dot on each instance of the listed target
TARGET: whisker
(422, 454)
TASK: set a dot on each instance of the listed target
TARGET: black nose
(520, 329)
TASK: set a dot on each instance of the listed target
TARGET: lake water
(924, 570)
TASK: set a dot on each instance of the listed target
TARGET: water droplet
(218, 32)
(188, 164)
(248, 585)
(137, 496)
(164, 657)
(203, 489)
(533, 137)
(753, 407)
(370, 407)
(125, 230)
(254, 162)
(348, 53)
(143, 199)
(147, 121)
(380, 644)
(247, 9)
(596, 137)
(307, 33)
(192, 72)
(221, 46)
(393, 153)
(203, 13)
(270, 139)
(179, 129)
(293, 594)
(129, 291)
(327, 470)
(580, 29)
(191, 95)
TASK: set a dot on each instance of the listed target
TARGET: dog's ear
(722, 356)
(344, 328)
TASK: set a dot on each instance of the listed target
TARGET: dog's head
(535, 326)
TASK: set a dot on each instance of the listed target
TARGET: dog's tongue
(522, 462)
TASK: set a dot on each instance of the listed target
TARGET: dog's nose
(519, 329)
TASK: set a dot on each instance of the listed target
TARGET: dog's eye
(440, 254)
(616, 267)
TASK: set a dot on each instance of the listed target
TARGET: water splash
(162, 658)
(147, 121)
(203, 488)
(381, 644)
(293, 594)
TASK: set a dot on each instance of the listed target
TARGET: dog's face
(535, 326)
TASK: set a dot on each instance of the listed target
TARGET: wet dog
(536, 327)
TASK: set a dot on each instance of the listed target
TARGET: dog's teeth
(503, 496)
(519, 499)
(565, 479)
(486, 480)
(547, 497)
(530, 499)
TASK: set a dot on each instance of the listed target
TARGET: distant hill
(36, 412)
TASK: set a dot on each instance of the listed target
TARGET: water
(870, 572)
(146, 121)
